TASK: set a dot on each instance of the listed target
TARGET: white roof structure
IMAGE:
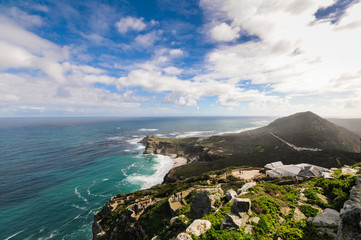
(273, 165)
(291, 170)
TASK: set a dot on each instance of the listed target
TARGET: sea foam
(162, 166)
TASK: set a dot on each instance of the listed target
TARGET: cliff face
(197, 206)
(194, 149)
(114, 222)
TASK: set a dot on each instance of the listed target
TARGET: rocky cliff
(264, 209)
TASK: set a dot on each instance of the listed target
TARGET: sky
(180, 58)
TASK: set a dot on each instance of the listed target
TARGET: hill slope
(307, 129)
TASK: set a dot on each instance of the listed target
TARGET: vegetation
(308, 210)
(273, 201)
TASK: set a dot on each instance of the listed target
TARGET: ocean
(55, 173)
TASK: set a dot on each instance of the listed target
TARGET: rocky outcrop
(199, 227)
(330, 218)
(239, 215)
(204, 201)
(230, 194)
(350, 224)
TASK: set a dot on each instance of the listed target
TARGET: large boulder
(241, 205)
(350, 224)
(239, 215)
(245, 187)
(199, 227)
(329, 218)
(204, 201)
(230, 194)
(234, 221)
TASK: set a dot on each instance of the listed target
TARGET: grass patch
(308, 210)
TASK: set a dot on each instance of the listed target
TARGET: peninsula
(223, 191)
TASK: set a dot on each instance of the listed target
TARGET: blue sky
(180, 58)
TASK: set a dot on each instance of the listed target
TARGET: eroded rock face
(241, 205)
(199, 227)
(234, 221)
(329, 218)
(239, 215)
(230, 194)
(204, 201)
(350, 224)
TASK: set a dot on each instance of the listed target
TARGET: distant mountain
(293, 139)
(307, 129)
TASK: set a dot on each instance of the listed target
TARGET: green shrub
(308, 210)
(216, 218)
(155, 218)
(289, 233)
(213, 234)
(337, 189)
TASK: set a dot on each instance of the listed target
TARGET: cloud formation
(126, 24)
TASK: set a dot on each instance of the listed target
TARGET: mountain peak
(307, 129)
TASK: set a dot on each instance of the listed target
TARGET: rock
(245, 187)
(204, 201)
(298, 215)
(230, 194)
(329, 218)
(240, 210)
(285, 210)
(199, 227)
(350, 226)
(254, 220)
(241, 205)
(182, 236)
(248, 229)
(348, 171)
(350, 222)
(174, 219)
(234, 221)
(155, 237)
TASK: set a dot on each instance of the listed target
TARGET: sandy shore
(179, 161)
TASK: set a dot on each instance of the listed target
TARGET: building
(304, 170)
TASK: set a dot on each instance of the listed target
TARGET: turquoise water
(55, 173)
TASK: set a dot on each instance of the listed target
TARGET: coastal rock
(199, 227)
(245, 187)
(204, 201)
(230, 194)
(241, 205)
(350, 223)
(329, 218)
(182, 236)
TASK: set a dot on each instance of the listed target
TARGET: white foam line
(78, 207)
(162, 167)
(237, 131)
(147, 129)
(14, 234)
(79, 195)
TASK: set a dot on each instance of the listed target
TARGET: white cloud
(147, 40)
(224, 32)
(295, 53)
(130, 24)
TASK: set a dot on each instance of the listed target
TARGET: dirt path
(295, 147)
